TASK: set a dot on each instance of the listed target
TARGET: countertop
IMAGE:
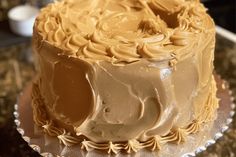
(16, 69)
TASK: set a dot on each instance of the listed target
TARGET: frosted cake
(122, 75)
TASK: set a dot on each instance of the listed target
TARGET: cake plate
(196, 143)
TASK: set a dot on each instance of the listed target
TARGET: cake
(123, 75)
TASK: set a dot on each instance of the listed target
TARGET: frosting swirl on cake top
(83, 95)
(123, 31)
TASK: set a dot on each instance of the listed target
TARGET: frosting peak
(119, 75)
(121, 31)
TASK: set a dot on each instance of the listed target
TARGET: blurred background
(223, 12)
(16, 70)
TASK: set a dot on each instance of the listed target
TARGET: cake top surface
(123, 31)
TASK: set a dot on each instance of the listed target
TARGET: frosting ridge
(122, 31)
(124, 75)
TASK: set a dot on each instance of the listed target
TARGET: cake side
(124, 87)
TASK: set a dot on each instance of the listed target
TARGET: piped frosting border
(176, 136)
(56, 27)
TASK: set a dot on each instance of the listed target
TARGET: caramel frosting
(124, 75)
(125, 30)
(154, 143)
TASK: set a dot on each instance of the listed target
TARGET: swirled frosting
(68, 139)
(124, 75)
(122, 31)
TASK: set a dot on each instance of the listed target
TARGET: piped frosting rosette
(152, 60)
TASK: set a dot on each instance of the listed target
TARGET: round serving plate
(195, 143)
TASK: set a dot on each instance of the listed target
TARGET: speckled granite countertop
(16, 70)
